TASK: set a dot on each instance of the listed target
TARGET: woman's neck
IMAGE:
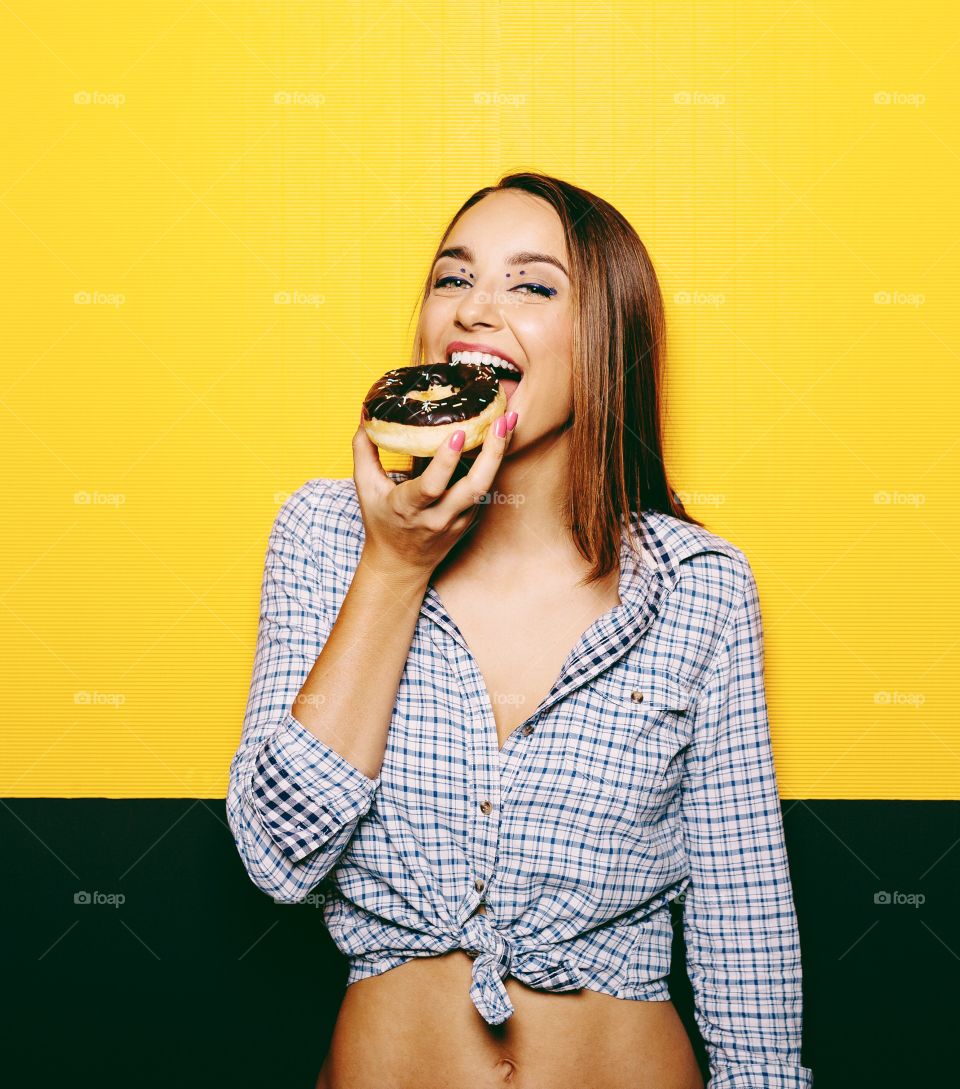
(522, 528)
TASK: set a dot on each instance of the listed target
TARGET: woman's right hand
(410, 527)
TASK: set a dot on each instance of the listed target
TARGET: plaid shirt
(645, 775)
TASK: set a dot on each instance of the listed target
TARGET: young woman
(508, 705)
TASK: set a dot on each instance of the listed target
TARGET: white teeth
(484, 357)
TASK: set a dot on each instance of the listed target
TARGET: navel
(506, 1069)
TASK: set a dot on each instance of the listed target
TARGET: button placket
(509, 772)
(513, 738)
(486, 789)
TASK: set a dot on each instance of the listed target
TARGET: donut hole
(434, 393)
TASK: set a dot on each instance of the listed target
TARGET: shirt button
(527, 730)
(485, 807)
(479, 885)
(636, 696)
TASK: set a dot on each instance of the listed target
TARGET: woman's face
(497, 292)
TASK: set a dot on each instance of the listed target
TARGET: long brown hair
(616, 442)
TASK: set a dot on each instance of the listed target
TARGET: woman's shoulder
(321, 508)
(699, 561)
(711, 580)
(677, 540)
(325, 506)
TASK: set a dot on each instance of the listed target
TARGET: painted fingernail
(501, 426)
(457, 440)
(511, 420)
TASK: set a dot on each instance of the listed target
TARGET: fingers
(467, 492)
(430, 488)
(431, 484)
(368, 473)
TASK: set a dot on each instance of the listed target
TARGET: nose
(480, 306)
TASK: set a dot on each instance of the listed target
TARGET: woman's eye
(536, 289)
(546, 292)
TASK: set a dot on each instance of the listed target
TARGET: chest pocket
(646, 691)
(636, 729)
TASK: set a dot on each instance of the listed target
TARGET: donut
(414, 410)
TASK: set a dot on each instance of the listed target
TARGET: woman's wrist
(399, 576)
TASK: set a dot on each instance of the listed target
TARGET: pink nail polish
(501, 427)
(512, 418)
(457, 440)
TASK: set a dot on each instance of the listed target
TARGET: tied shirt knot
(496, 958)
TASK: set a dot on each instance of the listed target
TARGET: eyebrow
(525, 257)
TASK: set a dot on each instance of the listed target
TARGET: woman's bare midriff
(415, 1027)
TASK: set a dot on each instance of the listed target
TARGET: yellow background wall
(172, 172)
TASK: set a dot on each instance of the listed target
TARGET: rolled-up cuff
(761, 1076)
(305, 790)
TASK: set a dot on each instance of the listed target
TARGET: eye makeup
(534, 288)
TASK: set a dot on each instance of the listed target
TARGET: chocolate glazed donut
(414, 410)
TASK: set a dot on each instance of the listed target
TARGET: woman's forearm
(348, 697)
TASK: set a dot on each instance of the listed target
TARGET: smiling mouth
(504, 370)
(509, 376)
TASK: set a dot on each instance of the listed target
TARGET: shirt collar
(665, 542)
